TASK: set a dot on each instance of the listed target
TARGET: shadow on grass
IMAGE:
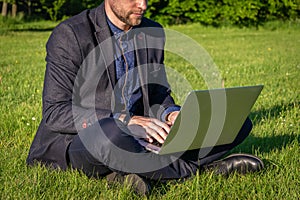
(271, 142)
(273, 112)
(268, 144)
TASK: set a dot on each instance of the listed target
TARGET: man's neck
(115, 20)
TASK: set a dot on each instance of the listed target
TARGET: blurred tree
(91, 3)
(4, 8)
(14, 9)
(28, 4)
(53, 8)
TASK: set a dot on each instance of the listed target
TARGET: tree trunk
(29, 7)
(4, 9)
(14, 10)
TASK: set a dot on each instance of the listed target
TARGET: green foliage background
(223, 12)
(167, 12)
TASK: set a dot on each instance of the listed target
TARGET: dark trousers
(107, 146)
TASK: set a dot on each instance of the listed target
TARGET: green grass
(244, 57)
(8, 24)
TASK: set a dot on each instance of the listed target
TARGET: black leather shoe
(140, 185)
(240, 163)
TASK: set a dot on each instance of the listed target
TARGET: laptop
(208, 118)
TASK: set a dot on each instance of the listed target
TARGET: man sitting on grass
(104, 81)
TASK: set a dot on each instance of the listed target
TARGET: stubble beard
(125, 17)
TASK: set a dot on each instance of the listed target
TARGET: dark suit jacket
(80, 78)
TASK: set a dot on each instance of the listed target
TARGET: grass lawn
(269, 56)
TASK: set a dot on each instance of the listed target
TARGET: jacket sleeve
(64, 58)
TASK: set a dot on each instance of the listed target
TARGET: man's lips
(138, 13)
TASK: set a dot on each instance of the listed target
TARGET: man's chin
(135, 21)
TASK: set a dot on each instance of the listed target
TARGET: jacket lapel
(104, 39)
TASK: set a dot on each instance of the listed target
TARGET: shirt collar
(116, 31)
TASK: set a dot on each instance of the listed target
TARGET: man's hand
(171, 117)
(154, 128)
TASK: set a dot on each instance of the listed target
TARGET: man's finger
(154, 134)
(162, 125)
(172, 116)
(159, 130)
